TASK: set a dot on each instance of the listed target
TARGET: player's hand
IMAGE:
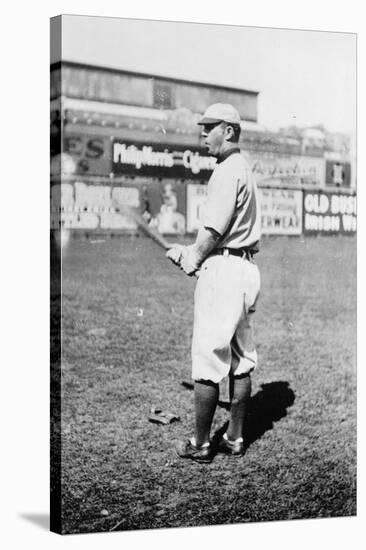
(189, 261)
(175, 253)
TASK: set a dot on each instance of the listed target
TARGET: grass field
(127, 322)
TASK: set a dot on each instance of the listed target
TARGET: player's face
(213, 137)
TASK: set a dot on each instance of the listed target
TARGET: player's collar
(227, 154)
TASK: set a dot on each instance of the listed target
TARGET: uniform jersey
(232, 206)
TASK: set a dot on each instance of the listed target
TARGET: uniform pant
(225, 299)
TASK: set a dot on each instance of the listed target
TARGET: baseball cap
(220, 112)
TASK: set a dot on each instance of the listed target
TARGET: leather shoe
(186, 449)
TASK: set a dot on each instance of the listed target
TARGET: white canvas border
(25, 271)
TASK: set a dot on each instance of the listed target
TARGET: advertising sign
(161, 160)
(91, 154)
(329, 213)
(196, 196)
(338, 173)
(286, 168)
(163, 206)
(79, 205)
(281, 211)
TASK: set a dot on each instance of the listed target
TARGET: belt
(241, 252)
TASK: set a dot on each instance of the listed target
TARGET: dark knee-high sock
(240, 389)
(206, 395)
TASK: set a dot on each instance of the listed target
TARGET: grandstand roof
(75, 65)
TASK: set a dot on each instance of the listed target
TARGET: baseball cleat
(235, 448)
(186, 449)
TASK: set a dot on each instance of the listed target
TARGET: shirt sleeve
(221, 201)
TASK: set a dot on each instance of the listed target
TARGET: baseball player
(227, 288)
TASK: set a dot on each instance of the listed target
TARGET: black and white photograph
(203, 216)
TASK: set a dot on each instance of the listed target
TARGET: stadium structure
(126, 137)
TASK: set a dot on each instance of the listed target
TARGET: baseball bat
(142, 224)
(151, 232)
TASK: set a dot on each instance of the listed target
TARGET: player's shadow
(267, 406)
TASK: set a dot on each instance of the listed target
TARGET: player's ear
(229, 133)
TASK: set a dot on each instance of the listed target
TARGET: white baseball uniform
(228, 285)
